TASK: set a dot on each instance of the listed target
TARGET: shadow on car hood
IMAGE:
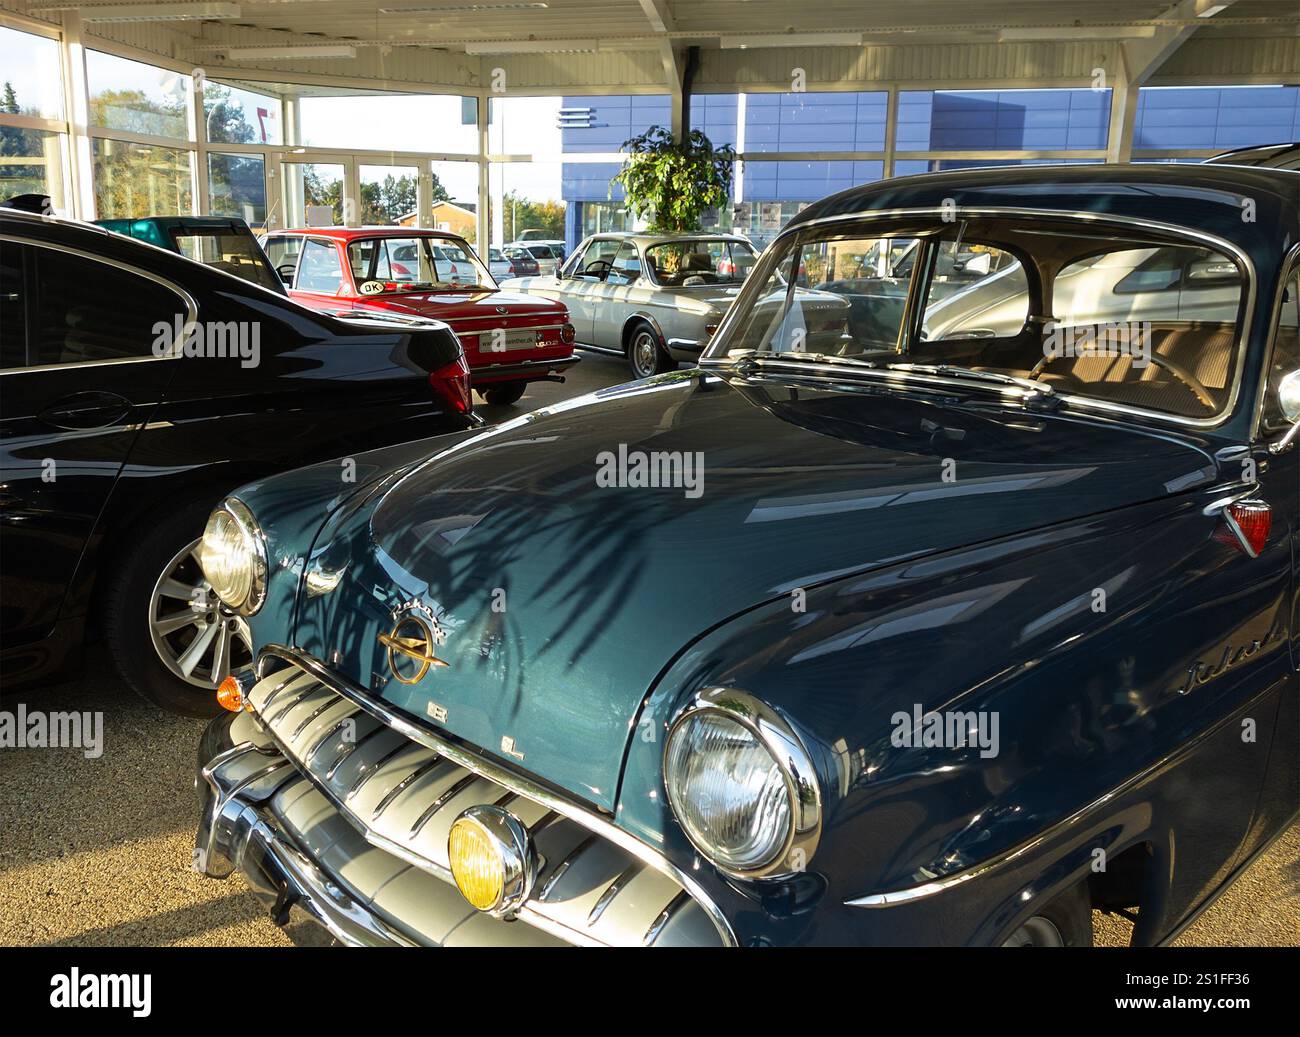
(564, 590)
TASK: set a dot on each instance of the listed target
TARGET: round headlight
(232, 555)
(741, 786)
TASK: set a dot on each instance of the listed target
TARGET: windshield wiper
(1041, 389)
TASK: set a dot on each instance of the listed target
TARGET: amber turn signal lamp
(230, 695)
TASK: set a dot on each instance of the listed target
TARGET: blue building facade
(769, 192)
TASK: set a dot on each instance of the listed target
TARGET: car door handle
(86, 411)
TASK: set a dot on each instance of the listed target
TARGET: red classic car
(509, 339)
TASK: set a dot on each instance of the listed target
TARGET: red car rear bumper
(521, 371)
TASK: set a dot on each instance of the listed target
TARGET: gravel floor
(97, 852)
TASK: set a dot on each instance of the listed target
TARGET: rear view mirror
(1206, 272)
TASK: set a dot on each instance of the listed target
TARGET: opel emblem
(412, 643)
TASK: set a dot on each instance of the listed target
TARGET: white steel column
(76, 96)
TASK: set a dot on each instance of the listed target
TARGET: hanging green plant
(671, 183)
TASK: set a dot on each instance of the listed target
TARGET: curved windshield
(697, 263)
(382, 265)
(1114, 317)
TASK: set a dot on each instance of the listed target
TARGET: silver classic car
(652, 298)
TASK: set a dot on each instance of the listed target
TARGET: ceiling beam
(662, 24)
(1138, 61)
(1142, 57)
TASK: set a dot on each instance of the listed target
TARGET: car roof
(1277, 156)
(356, 233)
(645, 240)
(90, 237)
(1201, 198)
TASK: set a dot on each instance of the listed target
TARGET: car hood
(454, 306)
(563, 598)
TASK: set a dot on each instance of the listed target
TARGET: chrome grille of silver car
(594, 886)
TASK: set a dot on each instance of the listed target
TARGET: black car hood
(562, 599)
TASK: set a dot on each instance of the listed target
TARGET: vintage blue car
(873, 629)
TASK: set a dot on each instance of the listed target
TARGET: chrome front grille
(401, 787)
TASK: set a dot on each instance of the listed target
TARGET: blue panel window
(805, 181)
(1216, 118)
(602, 124)
(715, 116)
(816, 122)
(1002, 120)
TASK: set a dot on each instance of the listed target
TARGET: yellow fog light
(492, 859)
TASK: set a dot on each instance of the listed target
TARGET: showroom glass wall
(163, 138)
(33, 125)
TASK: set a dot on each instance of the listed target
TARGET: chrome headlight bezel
(794, 763)
(254, 543)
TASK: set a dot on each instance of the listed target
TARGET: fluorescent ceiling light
(1208, 8)
(461, 8)
(793, 39)
(306, 50)
(179, 12)
(533, 47)
(1078, 32)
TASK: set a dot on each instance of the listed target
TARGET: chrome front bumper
(338, 821)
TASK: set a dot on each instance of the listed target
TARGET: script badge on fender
(412, 643)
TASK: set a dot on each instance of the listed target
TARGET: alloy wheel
(196, 635)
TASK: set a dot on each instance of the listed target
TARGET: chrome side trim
(191, 307)
(516, 783)
(753, 285)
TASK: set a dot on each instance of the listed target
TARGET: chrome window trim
(191, 308)
(1290, 269)
(870, 216)
(516, 783)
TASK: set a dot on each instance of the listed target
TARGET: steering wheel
(605, 265)
(1185, 376)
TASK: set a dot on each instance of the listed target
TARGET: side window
(598, 259)
(111, 314)
(976, 291)
(627, 265)
(13, 306)
(320, 269)
(574, 264)
(283, 253)
(1286, 353)
(1162, 271)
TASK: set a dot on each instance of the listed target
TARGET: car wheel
(645, 354)
(1065, 922)
(171, 638)
(504, 395)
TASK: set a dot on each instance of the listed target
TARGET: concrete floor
(97, 852)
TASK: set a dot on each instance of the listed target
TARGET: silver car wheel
(645, 353)
(197, 637)
(1037, 932)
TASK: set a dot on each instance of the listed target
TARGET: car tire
(142, 601)
(1065, 922)
(646, 354)
(506, 394)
